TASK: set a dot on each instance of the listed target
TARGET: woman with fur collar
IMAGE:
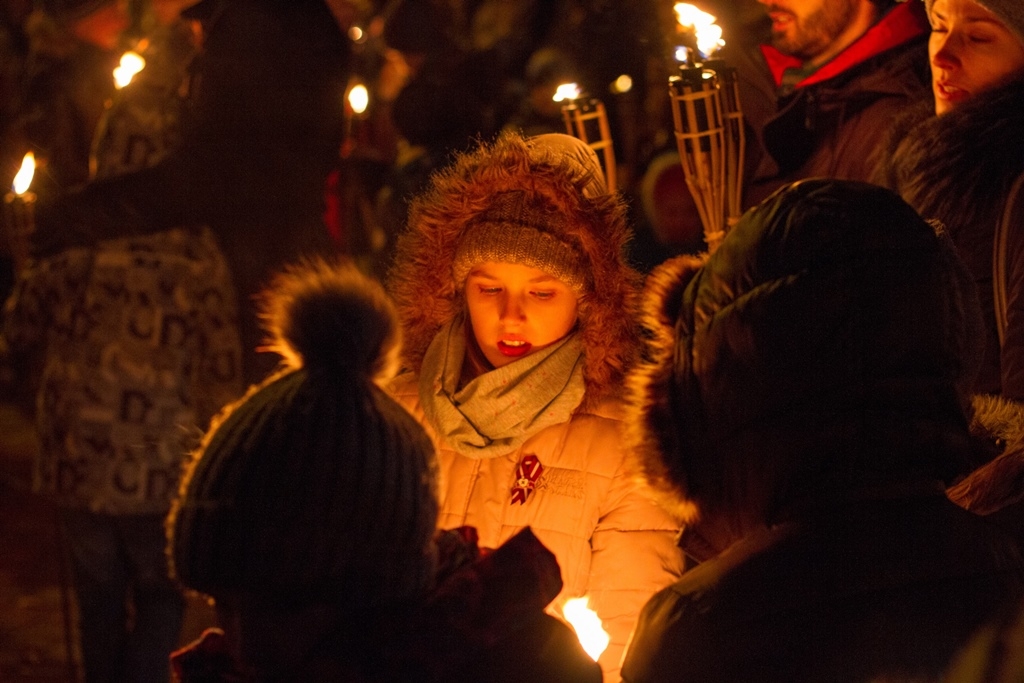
(955, 159)
(516, 303)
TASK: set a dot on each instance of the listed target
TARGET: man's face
(806, 29)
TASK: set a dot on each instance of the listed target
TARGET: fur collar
(957, 167)
(999, 424)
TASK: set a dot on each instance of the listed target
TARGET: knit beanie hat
(316, 485)
(1010, 12)
(520, 227)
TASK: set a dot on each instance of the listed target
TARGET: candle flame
(566, 91)
(358, 98)
(24, 176)
(587, 625)
(706, 31)
(131, 64)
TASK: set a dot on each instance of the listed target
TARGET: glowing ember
(566, 91)
(131, 64)
(358, 98)
(587, 625)
(24, 176)
(708, 34)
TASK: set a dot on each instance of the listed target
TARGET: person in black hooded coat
(800, 410)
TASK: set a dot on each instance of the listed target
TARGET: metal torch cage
(700, 135)
(587, 120)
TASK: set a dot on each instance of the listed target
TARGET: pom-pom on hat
(316, 483)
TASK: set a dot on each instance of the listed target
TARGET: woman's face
(515, 310)
(971, 51)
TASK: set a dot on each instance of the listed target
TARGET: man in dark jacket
(800, 410)
(818, 98)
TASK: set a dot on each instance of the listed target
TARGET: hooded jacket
(831, 123)
(801, 410)
(612, 542)
(958, 168)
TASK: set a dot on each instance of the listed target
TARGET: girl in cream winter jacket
(516, 305)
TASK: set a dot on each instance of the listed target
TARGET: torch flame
(566, 91)
(587, 625)
(707, 32)
(23, 178)
(358, 98)
(131, 64)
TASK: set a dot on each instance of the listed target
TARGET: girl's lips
(514, 350)
(950, 92)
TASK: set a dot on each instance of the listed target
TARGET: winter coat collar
(902, 24)
(998, 423)
(973, 152)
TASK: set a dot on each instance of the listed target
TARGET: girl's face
(515, 310)
(971, 51)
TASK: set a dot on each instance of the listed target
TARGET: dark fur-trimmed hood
(421, 281)
(998, 423)
(775, 372)
(960, 165)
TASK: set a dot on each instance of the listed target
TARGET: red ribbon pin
(527, 474)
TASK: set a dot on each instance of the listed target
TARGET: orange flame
(566, 91)
(707, 32)
(131, 63)
(587, 625)
(23, 178)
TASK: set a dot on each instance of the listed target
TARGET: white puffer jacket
(612, 542)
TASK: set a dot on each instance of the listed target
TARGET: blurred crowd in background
(438, 74)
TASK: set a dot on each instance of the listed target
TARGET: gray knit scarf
(496, 412)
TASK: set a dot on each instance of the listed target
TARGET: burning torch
(585, 118)
(131, 63)
(589, 630)
(19, 213)
(708, 122)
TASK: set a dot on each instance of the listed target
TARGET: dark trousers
(130, 612)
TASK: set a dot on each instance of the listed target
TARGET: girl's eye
(489, 290)
(544, 295)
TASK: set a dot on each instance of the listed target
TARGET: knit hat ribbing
(316, 485)
(516, 228)
(1010, 12)
(513, 231)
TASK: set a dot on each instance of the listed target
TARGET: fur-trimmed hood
(421, 280)
(998, 423)
(959, 166)
(774, 373)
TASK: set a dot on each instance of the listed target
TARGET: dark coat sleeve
(1012, 354)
